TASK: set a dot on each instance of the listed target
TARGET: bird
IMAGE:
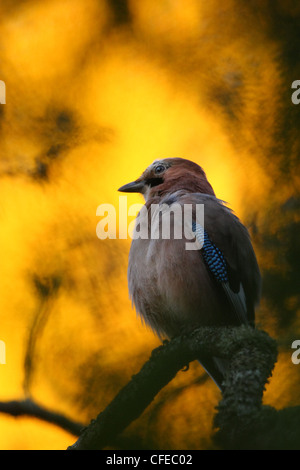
(176, 290)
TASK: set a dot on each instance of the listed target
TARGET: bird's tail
(216, 368)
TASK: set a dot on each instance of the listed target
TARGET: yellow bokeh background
(95, 93)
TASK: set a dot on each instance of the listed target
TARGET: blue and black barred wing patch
(213, 257)
(216, 263)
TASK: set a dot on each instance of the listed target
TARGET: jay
(176, 289)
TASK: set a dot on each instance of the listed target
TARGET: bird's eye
(159, 169)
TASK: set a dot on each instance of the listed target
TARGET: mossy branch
(241, 422)
(252, 355)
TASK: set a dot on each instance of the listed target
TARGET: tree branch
(252, 354)
(30, 408)
(242, 421)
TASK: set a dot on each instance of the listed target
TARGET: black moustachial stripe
(154, 181)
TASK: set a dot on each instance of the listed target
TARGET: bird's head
(167, 176)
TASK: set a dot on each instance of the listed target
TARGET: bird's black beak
(134, 187)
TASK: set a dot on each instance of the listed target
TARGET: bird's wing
(216, 263)
(228, 254)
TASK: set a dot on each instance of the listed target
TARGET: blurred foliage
(95, 91)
